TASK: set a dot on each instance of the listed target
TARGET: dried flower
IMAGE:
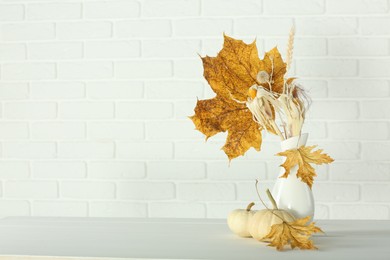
(287, 108)
(263, 77)
(262, 107)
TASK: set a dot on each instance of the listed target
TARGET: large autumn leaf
(302, 157)
(295, 234)
(230, 75)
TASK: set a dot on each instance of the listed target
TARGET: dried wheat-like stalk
(290, 47)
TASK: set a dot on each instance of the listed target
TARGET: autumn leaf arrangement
(253, 95)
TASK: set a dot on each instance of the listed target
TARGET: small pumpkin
(262, 221)
(239, 220)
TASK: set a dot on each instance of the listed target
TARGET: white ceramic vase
(291, 193)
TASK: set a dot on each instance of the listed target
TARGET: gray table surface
(179, 239)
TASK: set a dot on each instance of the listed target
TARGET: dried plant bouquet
(253, 95)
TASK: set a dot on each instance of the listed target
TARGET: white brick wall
(95, 95)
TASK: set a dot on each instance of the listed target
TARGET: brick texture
(95, 98)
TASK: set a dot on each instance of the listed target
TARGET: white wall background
(95, 94)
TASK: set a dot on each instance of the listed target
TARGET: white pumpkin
(239, 220)
(262, 221)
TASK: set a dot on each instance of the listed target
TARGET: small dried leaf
(295, 234)
(290, 80)
(302, 157)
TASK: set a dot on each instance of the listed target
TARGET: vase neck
(294, 142)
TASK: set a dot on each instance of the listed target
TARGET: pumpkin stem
(271, 198)
(275, 206)
(258, 194)
(250, 205)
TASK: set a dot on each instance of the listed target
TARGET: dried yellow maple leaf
(230, 75)
(302, 157)
(217, 115)
(295, 234)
